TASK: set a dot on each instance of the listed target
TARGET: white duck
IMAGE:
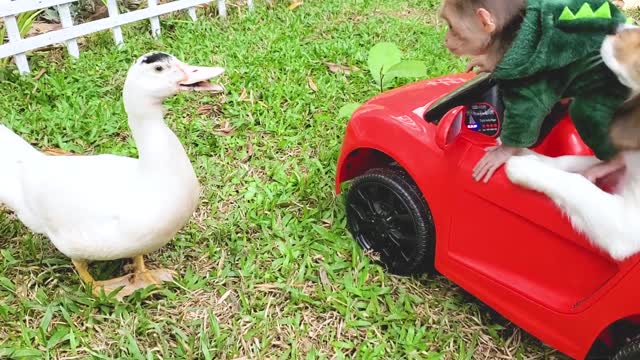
(107, 207)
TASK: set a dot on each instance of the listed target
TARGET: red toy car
(412, 200)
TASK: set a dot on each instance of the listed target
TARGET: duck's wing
(59, 193)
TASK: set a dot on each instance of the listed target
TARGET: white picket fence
(17, 46)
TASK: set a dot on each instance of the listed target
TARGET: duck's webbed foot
(128, 284)
(156, 276)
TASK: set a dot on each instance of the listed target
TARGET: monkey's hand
(481, 62)
(495, 157)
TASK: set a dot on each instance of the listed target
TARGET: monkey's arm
(526, 103)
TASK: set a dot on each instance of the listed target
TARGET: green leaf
(72, 340)
(359, 323)
(9, 259)
(343, 344)
(347, 110)
(46, 319)
(381, 58)
(7, 284)
(205, 349)
(387, 81)
(60, 334)
(408, 69)
(21, 353)
(133, 347)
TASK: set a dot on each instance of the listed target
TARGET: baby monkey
(540, 52)
(482, 29)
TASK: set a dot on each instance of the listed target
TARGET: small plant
(385, 65)
(25, 22)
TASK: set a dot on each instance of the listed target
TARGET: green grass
(267, 268)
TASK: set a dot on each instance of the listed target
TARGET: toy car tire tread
(420, 257)
(631, 351)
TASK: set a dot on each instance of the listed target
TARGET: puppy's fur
(610, 221)
(621, 53)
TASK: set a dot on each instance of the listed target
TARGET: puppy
(621, 53)
(610, 221)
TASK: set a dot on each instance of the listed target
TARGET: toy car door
(515, 236)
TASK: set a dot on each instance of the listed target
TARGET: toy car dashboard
(482, 101)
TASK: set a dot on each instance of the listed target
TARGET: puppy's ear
(625, 126)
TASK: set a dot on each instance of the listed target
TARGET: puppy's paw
(619, 250)
(526, 171)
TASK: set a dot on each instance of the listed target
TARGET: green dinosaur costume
(555, 55)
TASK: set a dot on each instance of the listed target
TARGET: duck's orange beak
(196, 78)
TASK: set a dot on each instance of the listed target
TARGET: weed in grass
(385, 64)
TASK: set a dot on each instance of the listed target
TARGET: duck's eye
(159, 68)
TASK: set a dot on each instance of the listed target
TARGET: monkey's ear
(486, 20)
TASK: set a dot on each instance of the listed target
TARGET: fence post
(155, 21)
(13, 33)
(67, 21)
(222, 8)
(17, 47)
(112, 7)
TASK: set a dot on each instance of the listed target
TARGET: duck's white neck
(159, 149)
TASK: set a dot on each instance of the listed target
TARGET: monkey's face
(462, 40)
(467, 36)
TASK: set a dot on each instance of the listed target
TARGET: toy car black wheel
(387, 215)
(631, 351)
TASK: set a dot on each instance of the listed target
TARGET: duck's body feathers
(100, 207)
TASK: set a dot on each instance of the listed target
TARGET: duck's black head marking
(155, 57)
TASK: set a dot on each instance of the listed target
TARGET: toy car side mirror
(449, 126)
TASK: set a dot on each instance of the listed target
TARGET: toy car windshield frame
(468, 92)
(484, 89)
